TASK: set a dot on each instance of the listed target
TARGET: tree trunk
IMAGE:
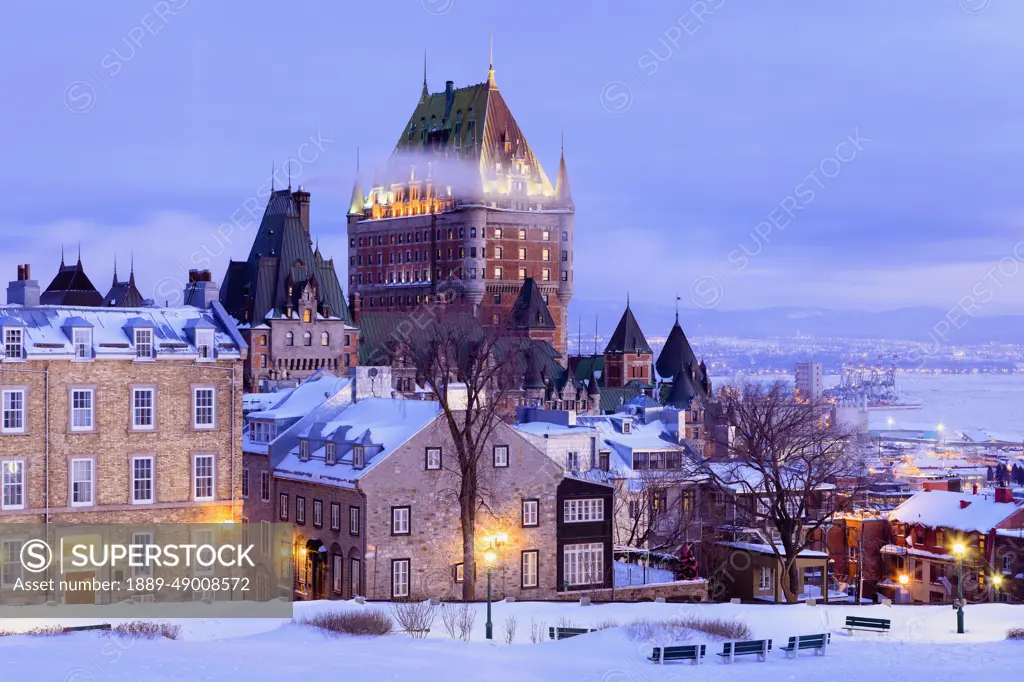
(467, 504)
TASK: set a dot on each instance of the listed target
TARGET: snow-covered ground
(923, 646)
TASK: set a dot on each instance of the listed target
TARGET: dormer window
(144, 343)
(330, 453)
(82, 341)
(358, 456)
(304, 450)
(13, 342)
(204, 344)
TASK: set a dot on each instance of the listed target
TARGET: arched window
(289, 339)
(307, 339)
(307, 315)
(325, 339)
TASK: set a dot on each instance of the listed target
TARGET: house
(751, 571)
(930, 525)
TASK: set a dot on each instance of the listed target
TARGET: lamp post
(997, 581)
(904, 580)
(489, 558)
(958, 551)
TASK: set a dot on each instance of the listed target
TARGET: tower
(627, 357)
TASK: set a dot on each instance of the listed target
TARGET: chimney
(201, 290)
(23, 291)
(302, 203)
(928, 486)
(964, 504)
(1004, 495)
(449, 97)
(974, 488)
(353, 306)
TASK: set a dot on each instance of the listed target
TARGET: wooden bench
(879, 625)
(85, 628)
(689, 652)
(759, 647)
(816, 642)
(565, 633)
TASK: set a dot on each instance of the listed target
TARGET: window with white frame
(304, 450)
(82, 341)
(265, 486)
(144, 569)
(11, 569)
(530, 513)
(330, 452)
(400, 520)
(337, 561)
(433, 458)
(203, 410)
(142, 480)
(585, 510)
(262, 432)
(530, 559)
(204, 344)
(460, 572)
(13, 484)
(318, 514)
(82, 409)
(13, 345)
(399, 578)
(202, 477)
(82, 482)
(1007, 559)
(354, 523)
(501, 455)
(14, 411)
(572, 461)
(143, 408)
(355, 575)
(300, 509)
(335, 516)
(765, 578)
(282, 506)
(144, 343)
(584, 564)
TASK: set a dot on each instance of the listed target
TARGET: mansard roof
(627, 338)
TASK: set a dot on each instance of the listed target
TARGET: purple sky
(691, 138)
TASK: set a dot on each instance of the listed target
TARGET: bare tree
(472, 371)
(782, 465)
(656, 510)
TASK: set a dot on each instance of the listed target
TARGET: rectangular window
(460, 572)
(300, 509)
(400, 520)
(282, 507)
(14, 411)
(522, 253)
(522, 273)
(530, 513)
(545, 254)
(765, 579)
(585, 510)
(265, 486)
(355, 576)
(318, 514)
(335, 516)
(12, 343)
(245, 481)
(584, 564)
(144, 570)
(353, 521)
(497, 273)
(572, 461)
(399, 578)
(501, 456)
(202, 477)
(82, 340)
(11, 570)
(82, 482)
(144, 343)
(330, 453)
(203, 412)
(529, 560)
(204, 344)
(142, 480)
(14, 484)
(82, 409)
(433, 457)
(304, 450)
(522, 234)
(545, 275)
(143, 408)
(337, 561)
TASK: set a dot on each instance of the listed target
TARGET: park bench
(84, 628)
(760, 647)
(879, 625)
(565, 633)
(801, 642)
(689, 652)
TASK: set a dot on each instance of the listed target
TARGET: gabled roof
(958, 511)
(72, 287)
(627, 338)
(529, 310)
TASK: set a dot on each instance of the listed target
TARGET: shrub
(362, 623)
(511, 622)
(144, 629)
(415, 617)
(606, 625)
(47, 631)
(467, 616)
(1015, 633)
(681, 628)
(536, 631)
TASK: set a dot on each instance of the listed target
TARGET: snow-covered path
(922, 647)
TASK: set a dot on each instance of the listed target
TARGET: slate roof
(71, 287)
(124, 294)
(282, 254)
(530, 311)
(627, 338)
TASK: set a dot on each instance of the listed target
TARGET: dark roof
(282, 254)
(676, 354)
(683, 391)
(123, 294)
(585, 366)
(613, 398)
(71, 287)
(530, 311)
(592, 385)
(627, 337)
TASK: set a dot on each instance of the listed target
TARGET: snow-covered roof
(304, 398)
(942, 509)
(549, 429)
(252, 402)
(48, 331)
(741, 477)
(767, 549)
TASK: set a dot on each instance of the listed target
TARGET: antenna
(595, 335)
(273, 169)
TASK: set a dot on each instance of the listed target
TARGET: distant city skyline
(828, 157)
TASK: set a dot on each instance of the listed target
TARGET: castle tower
(627, 357)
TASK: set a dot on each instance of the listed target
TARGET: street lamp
(997, 581)
(903, 580)
(958, 551)
(489, 558)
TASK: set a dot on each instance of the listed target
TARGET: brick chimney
(301, 197)
(201, 290)
(1004, 495)
(24, 290)
(353, 306)
(928, 486)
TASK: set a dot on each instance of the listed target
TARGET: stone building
(287, 300)
(464, 211)
(118, 415)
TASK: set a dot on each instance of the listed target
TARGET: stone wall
(687, 590)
